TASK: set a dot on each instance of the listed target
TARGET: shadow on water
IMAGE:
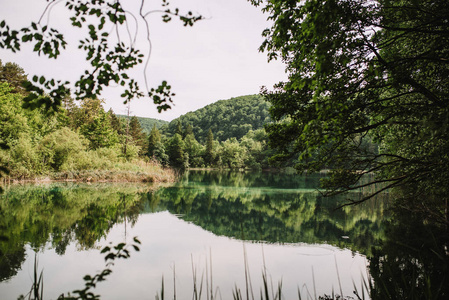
(413, 260)
(407, 259)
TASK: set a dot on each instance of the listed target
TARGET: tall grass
(268, 291)
(37, 288)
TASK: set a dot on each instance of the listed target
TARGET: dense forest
(81, 136)
(226, 134)
(227, 119)
(71, 142)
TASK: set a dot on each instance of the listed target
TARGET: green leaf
(105, 249)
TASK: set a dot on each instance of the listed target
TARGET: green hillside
(226, 118)
(147, 123)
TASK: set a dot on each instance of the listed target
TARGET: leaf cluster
(366, 93)
(119, 251)
(110, 58)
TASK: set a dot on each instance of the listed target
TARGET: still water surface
(211, 224)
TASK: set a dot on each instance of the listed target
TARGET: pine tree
(189, 130)
(176, 152)
(209, 155)
(178, 128)
(156, 148)
(136, 133)
(14, 75)
(154, 140)
(115, 122)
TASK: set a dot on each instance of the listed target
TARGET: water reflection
(282, 210)
(276, 208)
(413, 262)
(60, 214)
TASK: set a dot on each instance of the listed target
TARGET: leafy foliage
(226, 118)
(14, 75)
(119, 251)
(109, 56)
(362, 72)
(79, 136)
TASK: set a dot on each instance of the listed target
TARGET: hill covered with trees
(232, 118)
(82, 137)
(226, 134)
(147, 123)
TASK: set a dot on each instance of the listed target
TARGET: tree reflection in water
(412, 262)
(408, 260)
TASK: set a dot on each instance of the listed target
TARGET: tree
(59, 145)
(99, 132)
(156, 148)
(194, 150)
(189, 130)
(110, 54)
(136, 133)
(13, 117)
(82, 112)
(115, 122)
(14, 75)
(175, 151)
(209, 154)
(153, 140)
(178, 128)
(233, 155)
(359, 71)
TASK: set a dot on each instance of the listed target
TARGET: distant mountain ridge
(147, 123)
(226, 118)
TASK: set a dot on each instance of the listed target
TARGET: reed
(268, 291)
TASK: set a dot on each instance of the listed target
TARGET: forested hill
(147, 123)
(226, 118)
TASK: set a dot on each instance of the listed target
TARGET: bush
(58, 146)
(24, 160)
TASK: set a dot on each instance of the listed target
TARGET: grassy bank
(118, 171)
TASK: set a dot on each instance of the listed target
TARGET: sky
(216, 59)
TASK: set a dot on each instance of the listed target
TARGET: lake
(212, 232)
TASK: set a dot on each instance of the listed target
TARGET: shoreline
(97, 176)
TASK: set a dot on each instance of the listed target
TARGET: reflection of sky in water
(168, 242)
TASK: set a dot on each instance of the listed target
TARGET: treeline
(230, 118)
(146, 123)
(225, 134)
(183, 150)
(80, 136)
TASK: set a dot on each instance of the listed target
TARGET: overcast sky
(215, 59)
